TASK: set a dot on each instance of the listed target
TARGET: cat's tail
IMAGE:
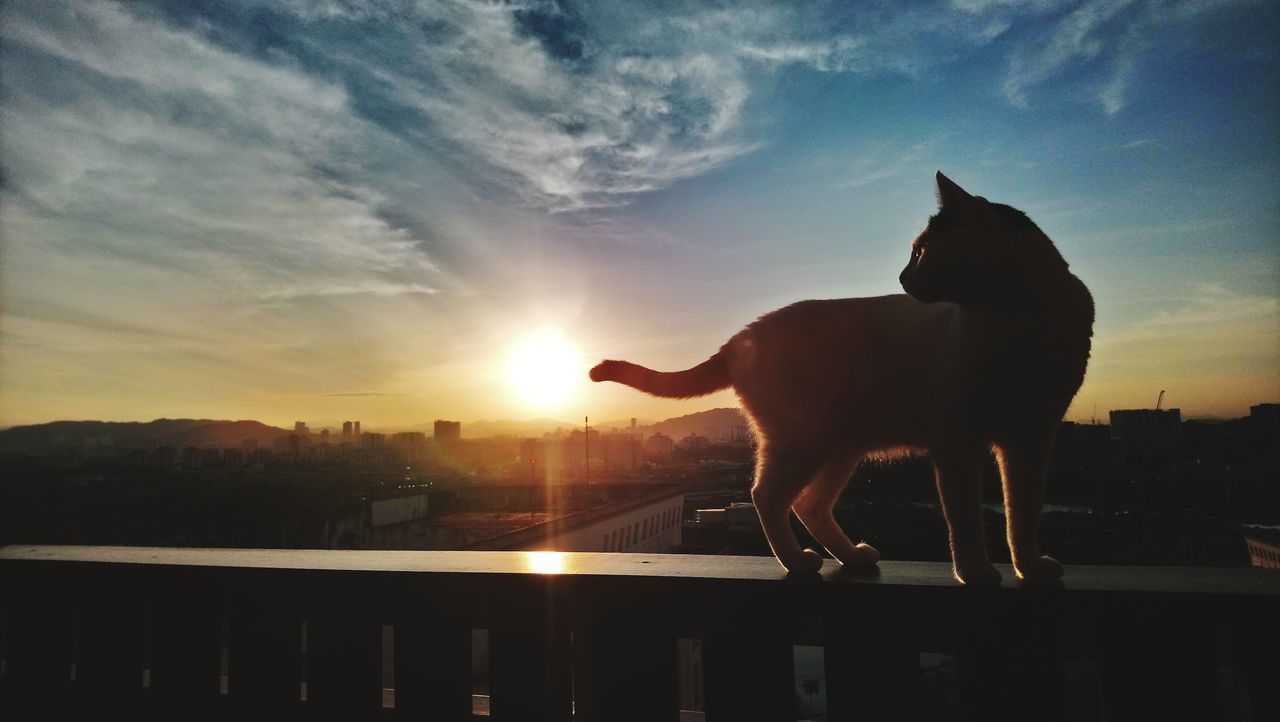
(708, 376)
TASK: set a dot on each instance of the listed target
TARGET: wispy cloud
(580, 107)
(1106, 40)
(1138, 143)
(1213, 328)
(173, 150)
(889, 162)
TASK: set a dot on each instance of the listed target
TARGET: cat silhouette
(984, 353)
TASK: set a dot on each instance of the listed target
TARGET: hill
(712, 423)
(181, 433)
(178, 433)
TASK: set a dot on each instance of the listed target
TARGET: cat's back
(891, 319)
(807, 360)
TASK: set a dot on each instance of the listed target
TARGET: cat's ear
(951, 195)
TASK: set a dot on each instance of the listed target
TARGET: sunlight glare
(545, 562)
(545, 370)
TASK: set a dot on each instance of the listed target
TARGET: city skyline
(333, 210)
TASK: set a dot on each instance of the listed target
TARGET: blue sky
(355, 209)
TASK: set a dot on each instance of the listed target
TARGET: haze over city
(321, 210)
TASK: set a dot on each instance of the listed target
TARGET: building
(346, 431)
(621, 451)
(738, 515)
(1264, 547)
(649, 522)
(1264, 420)
(659, 445)
(693, 442)
(1146, 426)
(300, 427)
(355, 428)
(191, 458)
(447, 431)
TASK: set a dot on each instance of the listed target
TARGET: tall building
(346, 431)
(1264, 419)
(300, 427)
(356, 428)
(448, 431)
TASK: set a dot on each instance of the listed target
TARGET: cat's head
(956, 256)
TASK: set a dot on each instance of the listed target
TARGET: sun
(545, 370)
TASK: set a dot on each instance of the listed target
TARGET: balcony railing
(187, 634)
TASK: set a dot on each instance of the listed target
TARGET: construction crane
(1160, 400)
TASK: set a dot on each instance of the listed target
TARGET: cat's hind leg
(958, 467)
(1024, 467)
(815, 507)
(780, 475)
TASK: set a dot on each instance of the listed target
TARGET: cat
(984, 353)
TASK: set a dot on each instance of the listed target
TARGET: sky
(322, 209)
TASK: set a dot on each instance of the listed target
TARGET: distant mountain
(711, 423)
(511, 427)
(178, 433)
(181, 433)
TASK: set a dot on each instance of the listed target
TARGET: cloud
(1214, 350)
(170, 150)
(890, 161)
(1105, 40)
(569, 111)
(1213, 329)
(566, 107)
(1137, 143)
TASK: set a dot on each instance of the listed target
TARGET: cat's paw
(978, 575)
(863, 555)
(809, 562)
(1044, 569)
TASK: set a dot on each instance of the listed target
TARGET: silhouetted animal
(986, 352)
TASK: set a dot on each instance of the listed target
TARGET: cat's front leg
(1024, 470)
(958, 469)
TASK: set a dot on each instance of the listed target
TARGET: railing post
(40, 632)
(264, 623)
(432, 652)
(872, 653)
(529, 653)
(625, 656)
(1254, 638)
(344, 647)
(186, 643)
(111, 655)
(1155, 666)
(748, 663)
(1007, 655)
